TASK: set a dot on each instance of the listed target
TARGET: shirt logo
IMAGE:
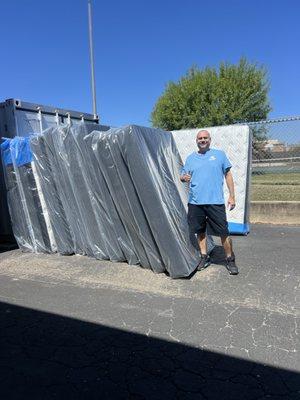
(212, 158)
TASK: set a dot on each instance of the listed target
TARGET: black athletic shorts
(210, 217)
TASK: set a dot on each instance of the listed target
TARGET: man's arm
(230, 185)
(185, 172)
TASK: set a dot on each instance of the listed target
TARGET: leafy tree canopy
(211, 97)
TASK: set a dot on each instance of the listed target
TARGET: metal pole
(92, 58)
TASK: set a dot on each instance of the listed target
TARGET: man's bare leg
(230, 258)
(202, 243)
(205, 260)
(227, 244)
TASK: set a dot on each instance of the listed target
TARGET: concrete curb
(275, 212)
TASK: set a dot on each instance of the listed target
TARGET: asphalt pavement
(74, 327)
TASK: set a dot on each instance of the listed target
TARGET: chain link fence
(276, 160)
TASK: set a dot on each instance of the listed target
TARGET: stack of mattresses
(112, 195)
(89, 220)
(105, 220)
(141, 167)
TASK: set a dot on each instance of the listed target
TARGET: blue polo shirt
(207, 171)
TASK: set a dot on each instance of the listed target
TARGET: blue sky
(139, 47)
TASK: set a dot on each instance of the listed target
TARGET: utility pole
(92, 59)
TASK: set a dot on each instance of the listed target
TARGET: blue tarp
(5, 150)
(16, 150)
(21, 153)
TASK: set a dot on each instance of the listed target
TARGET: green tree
(211, 97)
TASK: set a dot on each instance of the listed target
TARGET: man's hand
(231, 203)
(185, 178)
(230, 185)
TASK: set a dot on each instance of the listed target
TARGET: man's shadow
(217, 255)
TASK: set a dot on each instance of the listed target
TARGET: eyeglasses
(203, 138)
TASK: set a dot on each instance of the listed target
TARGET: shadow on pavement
(7, 243)
(218, 256)
(47, 356)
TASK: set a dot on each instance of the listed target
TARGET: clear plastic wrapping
(126, 200)
(27, 214)
(43, 161)
(105, 218)
(112, 195)
(88, 218)
(16, 211)
(141, 166)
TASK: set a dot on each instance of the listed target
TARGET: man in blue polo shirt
(205, 171)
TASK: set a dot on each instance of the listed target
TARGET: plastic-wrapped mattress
(60, 172)
(42, 157)
(16, 211)
(105, 220)
(90, 221)
(27, 214)
(141, 167)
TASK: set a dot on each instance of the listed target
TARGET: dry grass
(276, 187)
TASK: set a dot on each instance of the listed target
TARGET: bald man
(205, 170)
